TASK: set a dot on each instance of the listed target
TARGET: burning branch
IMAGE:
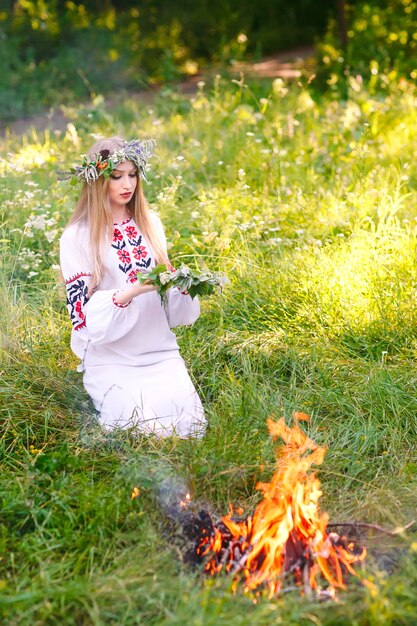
(380, 529)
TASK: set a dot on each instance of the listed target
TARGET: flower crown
(103, 163)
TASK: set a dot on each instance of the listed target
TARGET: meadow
(308, 203)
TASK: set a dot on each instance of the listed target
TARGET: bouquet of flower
(193, 282)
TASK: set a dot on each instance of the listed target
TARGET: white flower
(165, 277)
(222, 279)
(50, 235)
(37, 222)
(184, 270)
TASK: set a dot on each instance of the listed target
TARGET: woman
(121, 331)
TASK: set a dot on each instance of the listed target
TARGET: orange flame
(287, 533)
(135, 493)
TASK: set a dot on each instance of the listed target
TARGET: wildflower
(165, 277)
(50, 235)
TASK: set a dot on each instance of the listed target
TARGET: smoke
(174, 497)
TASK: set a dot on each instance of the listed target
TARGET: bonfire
(285, 543)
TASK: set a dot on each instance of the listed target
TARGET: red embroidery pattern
(140, 252)
(118, 241)
(124, 256)
(131, 232)
(122, 223)
(130, 250)
(121, 306)
(125, 260)
(76, 276)
(117, 235)
(77, 298)
(133, 276)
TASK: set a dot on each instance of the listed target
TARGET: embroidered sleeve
(77, 298)
(76, 270)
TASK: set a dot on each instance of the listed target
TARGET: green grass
(310, 208)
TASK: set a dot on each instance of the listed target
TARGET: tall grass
(309, 207)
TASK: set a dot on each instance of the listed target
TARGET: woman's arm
(125, 296)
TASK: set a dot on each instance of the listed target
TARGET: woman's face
(122, 184)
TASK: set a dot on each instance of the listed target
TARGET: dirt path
(288, 65)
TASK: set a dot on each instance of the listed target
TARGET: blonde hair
(93, 207)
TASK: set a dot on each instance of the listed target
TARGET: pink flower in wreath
(124, 256)
(117, 235)
(140, 252)
(131, 232)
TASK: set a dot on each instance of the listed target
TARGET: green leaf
(195, 282)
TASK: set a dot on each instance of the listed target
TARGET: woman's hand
(124, 296)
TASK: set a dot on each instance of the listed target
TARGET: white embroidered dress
(132, 367)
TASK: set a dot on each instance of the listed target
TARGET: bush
(381, 48)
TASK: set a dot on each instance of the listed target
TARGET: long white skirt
(159, 398)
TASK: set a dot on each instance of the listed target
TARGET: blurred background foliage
(377, 44)
(54, 52)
